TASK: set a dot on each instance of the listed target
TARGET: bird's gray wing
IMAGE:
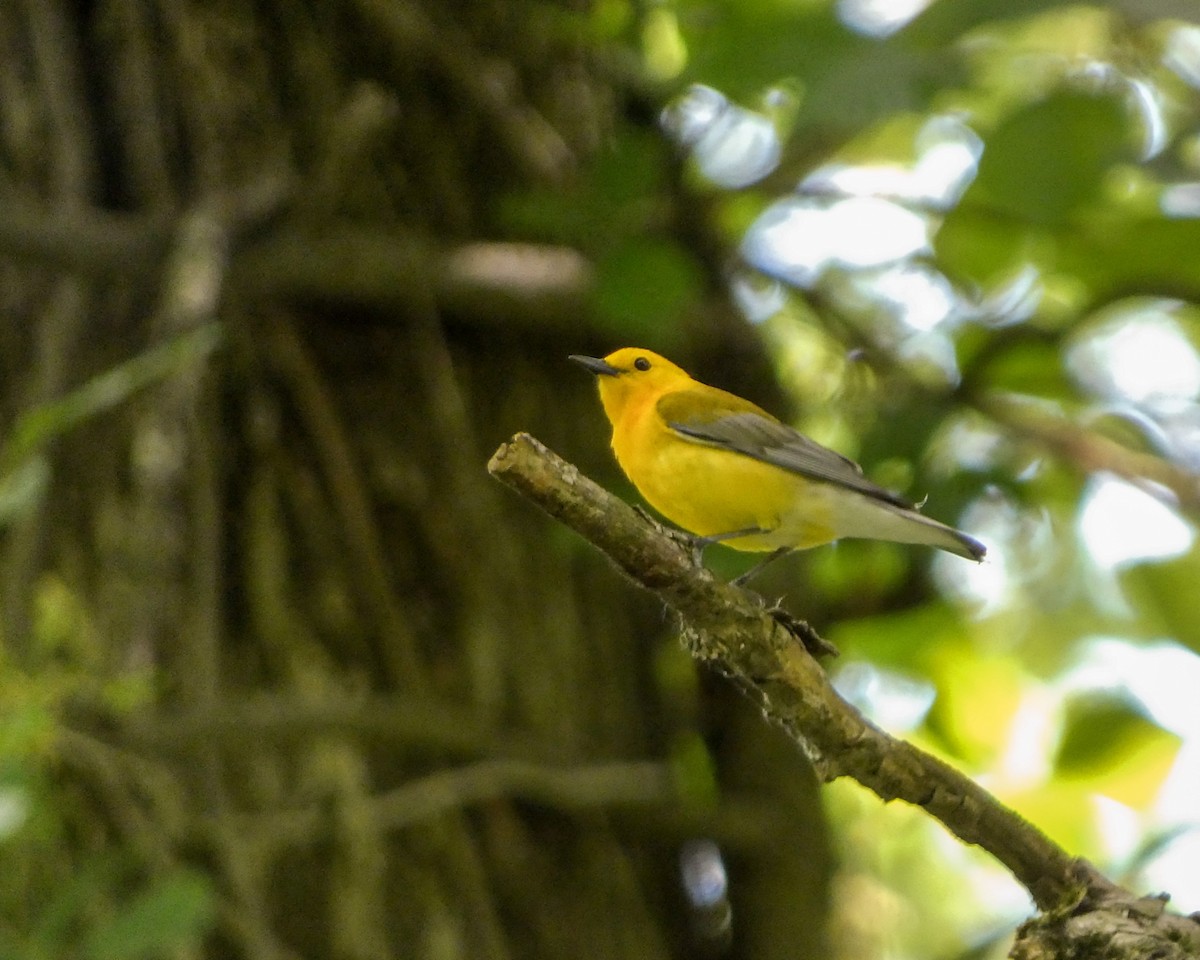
(754, 433)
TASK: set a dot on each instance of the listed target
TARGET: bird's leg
(645, 515)
(693, 542)
(755, 570)
(700, 544)
(682, 537)
(690, 542)
(731, 535)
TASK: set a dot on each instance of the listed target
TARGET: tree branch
(407, 725)
(490, 283)
(1091, 451)
(583, 787)
(757, 648)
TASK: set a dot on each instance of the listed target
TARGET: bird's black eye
(641, 363)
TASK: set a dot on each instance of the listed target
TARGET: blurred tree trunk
(395, 713)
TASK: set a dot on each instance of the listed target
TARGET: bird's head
(632, 375)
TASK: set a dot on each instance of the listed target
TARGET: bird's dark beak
(599, 367)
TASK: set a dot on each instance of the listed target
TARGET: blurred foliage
(1032, 364)
(23, 468)
(1163, 593)
(67, 890)
(965, 231)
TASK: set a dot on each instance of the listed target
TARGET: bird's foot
(645, 515)
(816, 645)
(700, 544)
(693, 544)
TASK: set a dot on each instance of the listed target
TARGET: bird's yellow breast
(709, 491)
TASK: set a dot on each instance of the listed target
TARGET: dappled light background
(284, 673)
(1017, 231)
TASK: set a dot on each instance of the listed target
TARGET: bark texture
(313, 652)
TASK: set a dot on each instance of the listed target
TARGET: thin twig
(1089, 450)
(582, 787)
(404, 725)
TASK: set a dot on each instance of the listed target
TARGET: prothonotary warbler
(726, 470)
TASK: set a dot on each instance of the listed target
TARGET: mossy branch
(762, 651)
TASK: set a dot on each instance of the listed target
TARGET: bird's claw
(645, 515)
(816, 645)
(813, 642)
(693, 544)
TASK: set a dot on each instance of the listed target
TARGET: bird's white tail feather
(876, 520)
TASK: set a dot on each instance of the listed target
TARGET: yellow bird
(726, 470)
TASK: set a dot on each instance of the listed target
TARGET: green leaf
(1042, 169)
(174, 911)
(1031, 367)
(1095, 723)
(1048, 160)
(103, 392)
(976, 247)
(978, 696)
(1111, 745)
(1164, 594)
(907, 639)
(1152, 846)
(1140, 253)
(943, 23)
(742, 47)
